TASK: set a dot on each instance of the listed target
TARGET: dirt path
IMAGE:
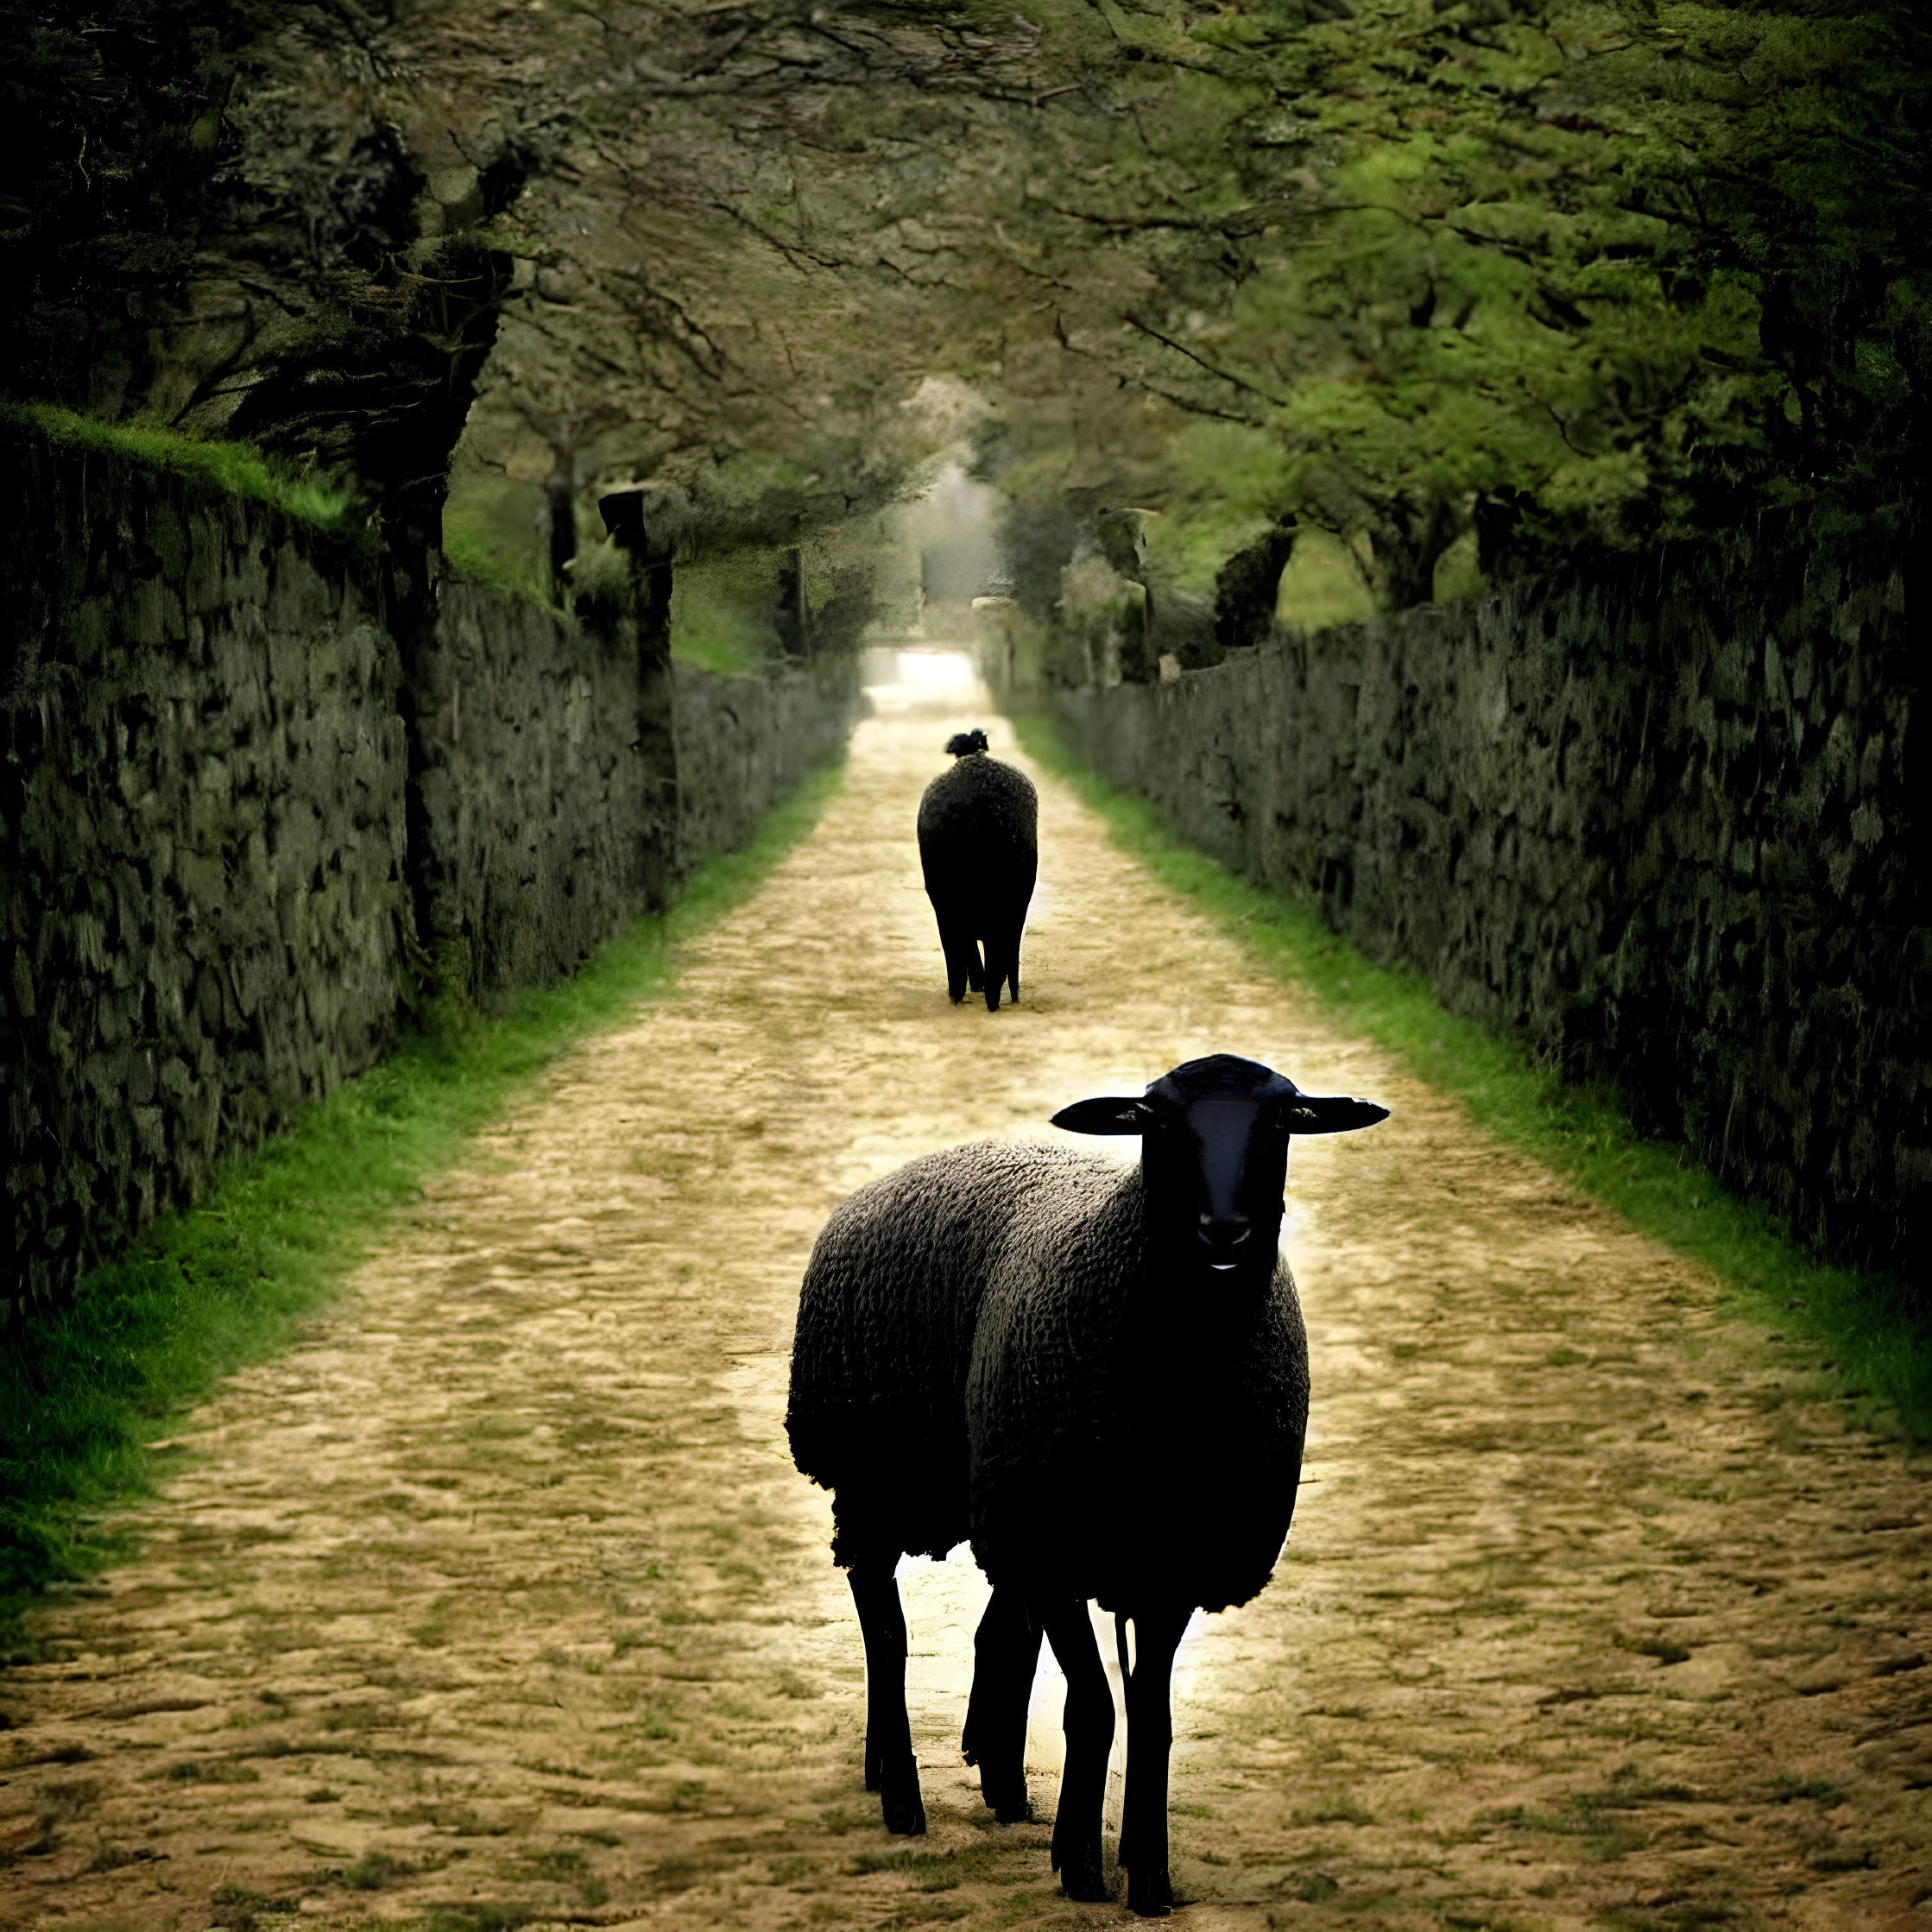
(497, 1601)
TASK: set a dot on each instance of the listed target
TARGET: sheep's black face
(1214, 1146)
(963, 744)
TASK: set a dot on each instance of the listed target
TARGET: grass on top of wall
(1876, 1344)
(474, 548)
(721, 619)
(235, 469)
(85, 1393)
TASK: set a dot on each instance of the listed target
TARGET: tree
(1610, 275)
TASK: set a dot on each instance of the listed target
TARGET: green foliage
(1184, 551)
(1787, 148)
(322, 503)
(1880, 1343)
(602, 590)
(1602, 271)
(839, 567)
(1323, 584)
(84, 1393)
(722, 609)
(1459, 571)
(754, 497)
(1622, 271)
(492, 536)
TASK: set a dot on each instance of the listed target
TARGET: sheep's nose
(1224, 1230)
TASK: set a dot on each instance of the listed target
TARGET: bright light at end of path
(935, 670)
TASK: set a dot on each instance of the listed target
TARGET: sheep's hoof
(1007, 1799)
(903, 1817)
(1080, 1879)
(901, 1806)
(1150, 1894)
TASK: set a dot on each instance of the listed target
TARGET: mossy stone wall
(1658, 821)
(564, 781)
(203, 903)
(530, 848)
(743, 741)
(243, 828)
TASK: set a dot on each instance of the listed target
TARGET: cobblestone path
(496, 1601)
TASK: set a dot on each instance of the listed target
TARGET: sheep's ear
(1103, 1116)
(1330, 1114)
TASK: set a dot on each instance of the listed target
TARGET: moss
(492, 536)
(1877, 1344)
(85, 1392)
(324, 503)
(722, 611)
(470, 554)
(602, 590)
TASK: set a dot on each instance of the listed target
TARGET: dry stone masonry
(239, 827)
(743, 743)
(1656, 820)
(531, 797)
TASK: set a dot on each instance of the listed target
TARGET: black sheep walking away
(979, 846)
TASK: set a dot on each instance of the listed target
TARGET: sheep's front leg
(1089, 1729)
(1157, 1636)
(891, 1769)
(1005, 1653)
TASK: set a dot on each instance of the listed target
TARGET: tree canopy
(1605, 272)
(1555, 271)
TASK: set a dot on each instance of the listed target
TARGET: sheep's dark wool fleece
(979, 848)
(969, 1364)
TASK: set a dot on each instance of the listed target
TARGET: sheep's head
(961, 742)
(1214, 1145)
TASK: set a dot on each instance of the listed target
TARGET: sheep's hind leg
(962, 961)
(891, 1769)
(1004, 1652)
(1157, 1636)
(1090, 1728)
(998, 965)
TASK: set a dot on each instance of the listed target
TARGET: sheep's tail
(1120, 1644)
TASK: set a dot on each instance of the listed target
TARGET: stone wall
(1657, 823)
(240, 825)
(743, 743)
(550, 808)
(529, 844)
(202, 903)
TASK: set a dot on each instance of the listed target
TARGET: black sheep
(979, 848)
(1098, 1374)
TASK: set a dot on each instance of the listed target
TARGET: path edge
(90, 1392)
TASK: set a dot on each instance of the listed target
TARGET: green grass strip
(227, 1282)
(234, 469)
(1875, 1342)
